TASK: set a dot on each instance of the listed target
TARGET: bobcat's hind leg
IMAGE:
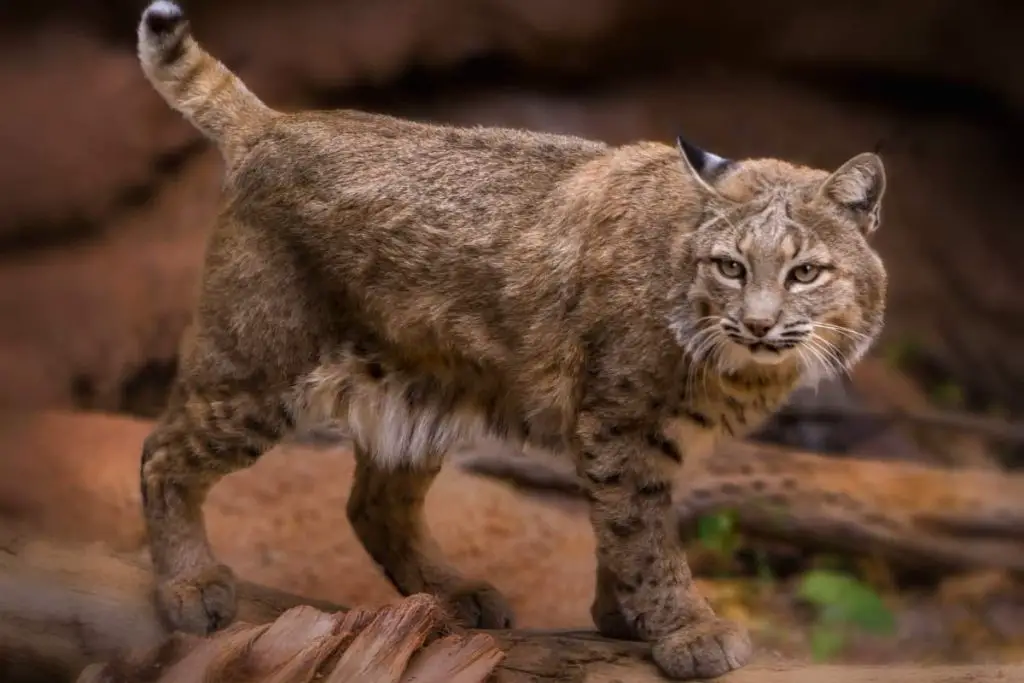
(386, 511)
(201, 437)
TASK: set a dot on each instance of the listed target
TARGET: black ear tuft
(705, 165)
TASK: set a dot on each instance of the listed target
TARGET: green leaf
(826, 642)
(842, 599)
(823, 586)
(717, 531)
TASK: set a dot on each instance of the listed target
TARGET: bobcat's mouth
(763, 346)
(767, 352)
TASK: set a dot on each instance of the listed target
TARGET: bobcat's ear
(703, 166)
(857, 187)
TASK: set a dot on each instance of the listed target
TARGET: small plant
(717, 532)
(843, 602)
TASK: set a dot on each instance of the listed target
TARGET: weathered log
(63, 607)
(997, 429)
(407, 642)
(910, 513)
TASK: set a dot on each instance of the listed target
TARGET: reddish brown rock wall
(105, 195)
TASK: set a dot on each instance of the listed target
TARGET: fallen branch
(65, 607)
(912, 514)
(403, 643)
(993, 428)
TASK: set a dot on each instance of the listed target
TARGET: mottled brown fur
(422, 284)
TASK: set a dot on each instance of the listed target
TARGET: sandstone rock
(83, 136)
(85, 131)
(86, 324)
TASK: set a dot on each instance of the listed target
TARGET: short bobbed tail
(194, 83)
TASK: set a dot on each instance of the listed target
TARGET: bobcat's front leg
(641, 559)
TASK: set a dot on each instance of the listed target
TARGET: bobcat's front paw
(478, 604)
(704, 649)
(199, 602)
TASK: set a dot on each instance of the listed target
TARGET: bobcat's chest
(733, 407)
(694, 439)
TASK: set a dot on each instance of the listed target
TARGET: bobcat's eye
(731, 269)
(805, 274)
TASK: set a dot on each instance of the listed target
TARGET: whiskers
(704, 349)
(854, 335)
(713, 345)
(823, 358)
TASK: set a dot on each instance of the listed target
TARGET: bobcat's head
(784, 272)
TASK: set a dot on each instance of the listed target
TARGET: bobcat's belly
(407, 419)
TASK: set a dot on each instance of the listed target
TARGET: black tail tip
(162, 17)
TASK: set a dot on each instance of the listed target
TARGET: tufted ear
(857, 186)
(703, 166)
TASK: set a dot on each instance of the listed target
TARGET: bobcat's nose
(758, 326)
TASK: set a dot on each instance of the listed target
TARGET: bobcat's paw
(704, 649)
(478, 604)
(199, 602)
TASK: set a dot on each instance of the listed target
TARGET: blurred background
(106, 198)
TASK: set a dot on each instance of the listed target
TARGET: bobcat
(424, 284)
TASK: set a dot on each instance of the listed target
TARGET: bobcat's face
(784, 271)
